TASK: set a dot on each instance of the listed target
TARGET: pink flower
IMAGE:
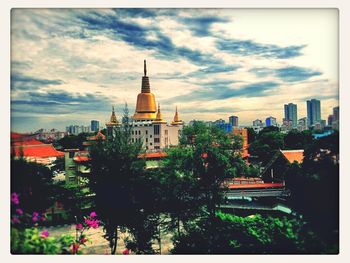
(126, 252)
(43, 219)
(19, 211)
(83, 240)
(15, 220)
(79, 226)
(35, 217)
(44, 234)
(14, 198)
(93, 214)
(74, 248)
(92, 222)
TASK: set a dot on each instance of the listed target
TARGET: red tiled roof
(153, 155)
(99, 135)
(80, 158)
(255, 186)
(38, 150)
(293, 155)
(26, 142)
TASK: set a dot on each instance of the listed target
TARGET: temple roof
(293, 155)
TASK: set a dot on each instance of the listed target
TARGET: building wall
(233, 120)
(244, 133)
(156, 136)
(271, 121)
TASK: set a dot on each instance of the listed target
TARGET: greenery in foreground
(181, 197)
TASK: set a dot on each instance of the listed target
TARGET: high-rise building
(290, 113)
(330, 119)
(336, 113)
(335, 121)
(270, 121)
(233, 120)
(95, 125)
(313, 111)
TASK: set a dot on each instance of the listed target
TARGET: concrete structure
(271, 121)
(244, 133)
(49, 136)
(233, 120)
(313, 112)
(302, 124)
(290, 113)
(258, 125)
(286, 126)
(77, 129)
(95, 126)
(335, 123)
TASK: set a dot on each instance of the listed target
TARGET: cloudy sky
(69, 66)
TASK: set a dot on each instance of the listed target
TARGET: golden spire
(113, 117)
(159, 118)
(146, 108)
(177, 120)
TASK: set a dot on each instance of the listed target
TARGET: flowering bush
(26, 238)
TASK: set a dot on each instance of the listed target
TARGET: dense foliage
(232, 234)
(33, 182)
(315, 188)
(72, 141)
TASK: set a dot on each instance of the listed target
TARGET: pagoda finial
(112, 108)
(144, 67)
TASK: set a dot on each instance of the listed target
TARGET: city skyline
(74, 64)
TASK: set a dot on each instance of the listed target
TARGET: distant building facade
(77, 129)
(244, 133)
(95, 126)
(49, 135)
(233, 120)
(258, 125)
(227, 127)
(313, 112)
(271, 121)
(287, 125)
(303, 124)
(290, 113)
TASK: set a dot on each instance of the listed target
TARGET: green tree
(315, 191)
(194, 171)
(33, 182)
(73, 141)
(125, 191)
(266, 145)
(298, 140)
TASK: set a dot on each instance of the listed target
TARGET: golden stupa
(176, 120)
(113, 120)
(159, 117)
(146, 102)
